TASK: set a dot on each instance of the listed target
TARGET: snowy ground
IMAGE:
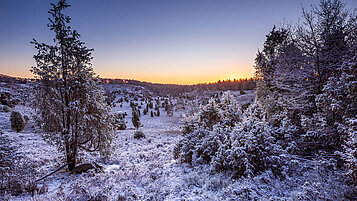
(144, 169)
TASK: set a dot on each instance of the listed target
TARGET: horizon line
(151, 82)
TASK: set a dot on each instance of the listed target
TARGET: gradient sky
(166, 41)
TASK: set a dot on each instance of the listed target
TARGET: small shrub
(5, 98)
(136, 117)
(121, 198)
(118, 121)
(241, 91)
(4, 108)
(139, 134)
(17, 121)
(151, 105)
(145, 111)
(169, 110)
(15, 101)
(18, 177)
(26, 118)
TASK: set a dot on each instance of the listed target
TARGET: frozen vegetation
(145, 168)
(65, 136)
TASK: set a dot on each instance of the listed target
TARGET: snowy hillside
(142, 169)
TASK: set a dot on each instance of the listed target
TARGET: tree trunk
(71, 152)
(71, 160)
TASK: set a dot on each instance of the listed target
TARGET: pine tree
(158, 112)
(323, 37)
(293, 69)
(68, 94)
(136, 117)
(339, 103)
(327, 35)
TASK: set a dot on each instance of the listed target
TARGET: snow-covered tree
(135, 119)
(282, 78)
(295, 67)
(68, 94)
(324, 36)
(266, 66)
(339, 105)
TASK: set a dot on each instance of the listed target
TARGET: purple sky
(163, 41)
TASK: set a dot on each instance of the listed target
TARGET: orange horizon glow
(181, 83)
(163, 79)
(205, 71)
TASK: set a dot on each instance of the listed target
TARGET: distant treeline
(175, 89)
(163, 89)
(233, 85)
(13, 80)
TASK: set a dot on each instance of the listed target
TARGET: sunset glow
(181, 42)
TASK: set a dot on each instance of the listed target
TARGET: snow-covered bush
(17, 121)
(139, 134)
(169, 109)
(118, 121)
(251, 147)
(26, 118)
(203, 131)
(225, 113)
(5, 98)
(15, 101)
(219, 136)
(18, 177)
(4, 108)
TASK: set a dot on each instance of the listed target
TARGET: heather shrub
(15, 101)
(139, 134)
(5, 98)
(26, 118)
(118, 121)
(17, 121)
(4, 108)
(19, 178)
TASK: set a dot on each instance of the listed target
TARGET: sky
(161, 41)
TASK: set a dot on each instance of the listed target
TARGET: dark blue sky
(160, 41)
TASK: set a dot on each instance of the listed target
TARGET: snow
(144, 169)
